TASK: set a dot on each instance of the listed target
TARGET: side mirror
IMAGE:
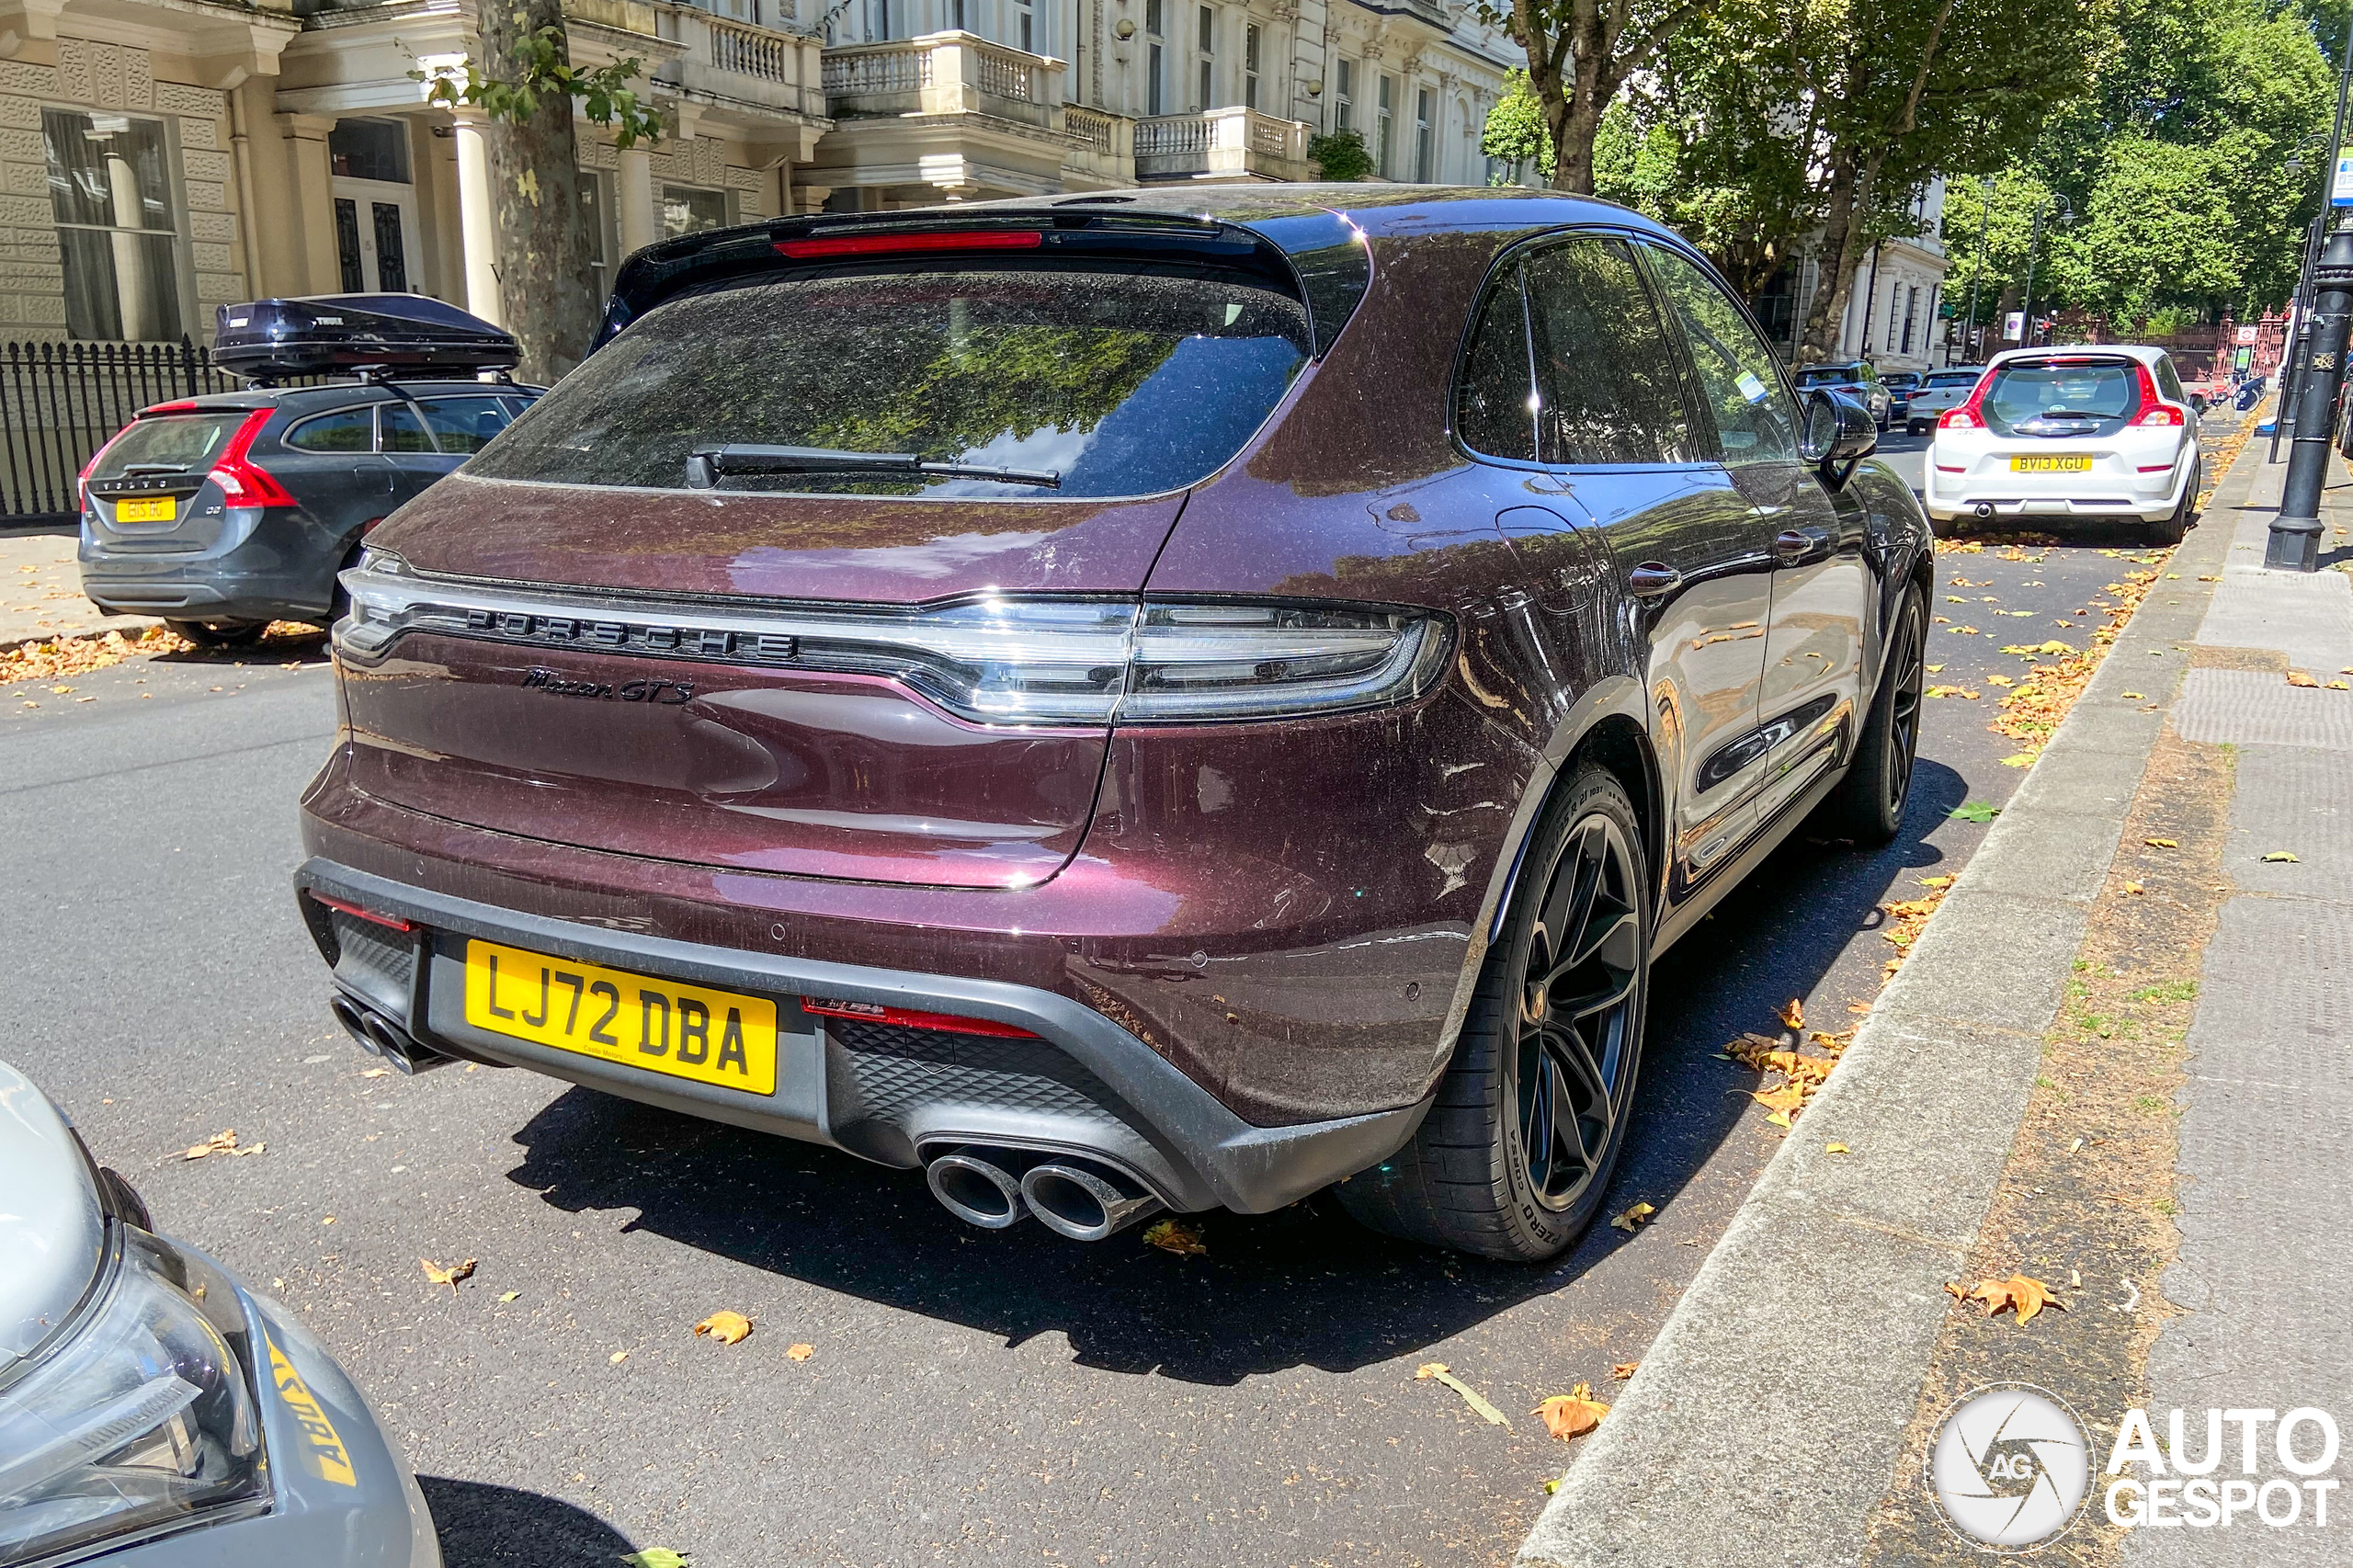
(1839, 433)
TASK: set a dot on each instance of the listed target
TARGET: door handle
(1794, 545)
(1649, 579)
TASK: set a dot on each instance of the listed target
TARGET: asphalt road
(977, 1398)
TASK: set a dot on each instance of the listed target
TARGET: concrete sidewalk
(40, 592)
(1771, 1417)
(2263, 1181)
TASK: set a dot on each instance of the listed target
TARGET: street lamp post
(2033, 245)
(1984, 230)
(2294, 545)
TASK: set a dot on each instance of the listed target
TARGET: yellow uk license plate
(663, 1026)
(2064, 463)
(162, 509)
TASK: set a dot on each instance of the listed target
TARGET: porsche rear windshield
(1118, 383)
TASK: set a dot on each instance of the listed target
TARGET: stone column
(633, 191)
(306, 151)
(477, 236)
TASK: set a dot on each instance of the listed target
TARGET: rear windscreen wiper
(707, 465)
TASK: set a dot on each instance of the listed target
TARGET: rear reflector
(909, 1017)
(390, 922)
(884, 245)
(2156, 467)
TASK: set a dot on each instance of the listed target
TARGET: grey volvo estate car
(222, 512)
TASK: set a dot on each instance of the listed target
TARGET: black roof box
(268, 338)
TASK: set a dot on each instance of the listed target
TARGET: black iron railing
(59, 401)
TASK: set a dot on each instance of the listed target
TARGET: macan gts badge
(1164, 701)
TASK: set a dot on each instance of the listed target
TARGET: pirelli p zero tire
(1514, 1159)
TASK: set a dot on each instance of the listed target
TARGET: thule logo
(555, 683)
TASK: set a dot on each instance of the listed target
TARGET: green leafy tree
(1340, 156)
(546, 276)
(1580, 54)
(1516, 134)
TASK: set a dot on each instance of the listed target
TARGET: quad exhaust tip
(1083, 1203)
(996, 1189)
(379, 1036)
(976, 1188)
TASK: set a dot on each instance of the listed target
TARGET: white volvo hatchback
(2084, 431)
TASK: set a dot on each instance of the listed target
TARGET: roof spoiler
(1318, 259)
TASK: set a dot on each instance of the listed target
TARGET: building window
(1911, 312)
(110, 193)
(1024, 29)
(687, 210)
(1250, 66)
(1155, 65)
(1384, 118)
(1425, 139)
(1344, 95)
(370, 149)
(1205, 46)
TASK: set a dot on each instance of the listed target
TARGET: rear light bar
(390, 922)
(1968, 415)
(884, 245)
(241, 484)
(2156, 411)
(912, 1018)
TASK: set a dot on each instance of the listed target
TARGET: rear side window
(2104, 389)
(1953, 379)
(1122, 384)
(1494, 408)
(344, 430)
(458, 424)
(2169, 380)
(169, 441)
(1610, 387)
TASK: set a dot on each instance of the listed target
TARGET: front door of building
(375, 236)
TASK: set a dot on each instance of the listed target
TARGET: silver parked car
(152, 1409)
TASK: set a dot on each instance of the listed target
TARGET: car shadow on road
(1301, 1287)
(482, 1526)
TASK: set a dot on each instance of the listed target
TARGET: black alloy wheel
(1577, 1010)
(1514, 1159)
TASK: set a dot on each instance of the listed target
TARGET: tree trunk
(1573, 139)
(546, 274)
(1842, 251)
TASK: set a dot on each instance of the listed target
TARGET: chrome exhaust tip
(971, 1185)
(1084, 1204)
(1984, 510)
(379, 1036)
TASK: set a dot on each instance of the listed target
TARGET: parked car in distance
(2103, 431)
(1939, 391)
(225, 512)
(1857, 379)
(154, 1411)
(1165, 700)
(1900, 385)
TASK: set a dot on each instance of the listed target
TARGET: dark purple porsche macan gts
(1169, 700)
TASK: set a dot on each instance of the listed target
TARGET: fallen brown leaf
(1179, 1236)
(2163, 843)
(222, 1142)
(2022, 1294)
(725, 1326)
(2298, 677)
(1574, 1413)
(1632, 1217)
(1623, 1369)
(1793, 1016)
(798, 1352)
(449, 1276)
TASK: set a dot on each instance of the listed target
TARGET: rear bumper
(282, 567)
(1083, 1086)
(2152, 498)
